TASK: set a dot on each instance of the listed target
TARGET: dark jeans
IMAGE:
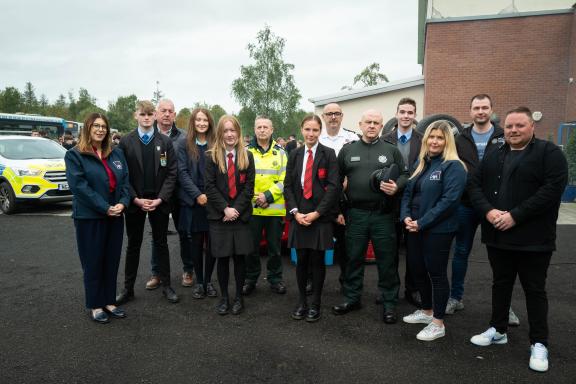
(310, 261)
(187, 263)
(196, 247)
(99, 247)
(273, 227)
(428, 255)
(135, 231)
(468, 222)
(531, 268)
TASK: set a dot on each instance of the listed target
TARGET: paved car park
(46, 336)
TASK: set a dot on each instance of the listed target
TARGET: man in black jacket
(152, 168)
(517, 190)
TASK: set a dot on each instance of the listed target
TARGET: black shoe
(117, 312)
(100, 317)
(278, 288)
(389, 316)
(223, 306)
(413, 298)
(379, 300)
(238, 306)
(124, 296)
(300, 312)
(313, 314)
(169, 294)
(198, 292)
(210, 290)
(248, 288)
(344, 308)
(308, 288)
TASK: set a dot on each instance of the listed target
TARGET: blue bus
(32, 125)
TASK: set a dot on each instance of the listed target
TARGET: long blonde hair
(219, 149)
(449, 153)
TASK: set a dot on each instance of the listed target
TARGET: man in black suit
(153, 171)
(408, 142)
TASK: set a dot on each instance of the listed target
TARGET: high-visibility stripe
(266, 171)
(280, 186)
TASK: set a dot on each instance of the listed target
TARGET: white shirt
(337, 142)
(306, 160)
(233, 152)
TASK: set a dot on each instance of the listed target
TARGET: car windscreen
(18, 149)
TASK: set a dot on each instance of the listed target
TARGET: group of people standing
(338, 191)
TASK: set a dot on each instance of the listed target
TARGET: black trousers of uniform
(99, 247)
(401, 236)
(135, 230)
(310, 262)
(532, 269)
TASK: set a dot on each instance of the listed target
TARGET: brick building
(519, 58)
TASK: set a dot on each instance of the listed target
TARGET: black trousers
(428, 255)
(310, 261)
(187, 265)
(99, 247)
(135, 230)
(401, 235)
(532, 269)
(340, 249)
(196, 247)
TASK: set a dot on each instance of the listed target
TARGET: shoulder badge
(382, 158)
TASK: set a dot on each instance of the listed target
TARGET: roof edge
(503, 16)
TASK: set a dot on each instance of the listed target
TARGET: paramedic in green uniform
(370, 215)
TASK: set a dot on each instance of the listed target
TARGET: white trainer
(418, 317)
(490, 336)
(431, 332)
(538, 357)
(513, 320)
(454, 305)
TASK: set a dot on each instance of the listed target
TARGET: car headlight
(26, 171)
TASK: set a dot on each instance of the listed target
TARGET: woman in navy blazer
(429, 211)
(193, 222)
(98, 179)
(311, 209)
(229, 185)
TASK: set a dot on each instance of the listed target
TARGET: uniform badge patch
(436, 175)
(117, 164)
(382, 159)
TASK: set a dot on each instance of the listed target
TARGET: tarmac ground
(47, 337)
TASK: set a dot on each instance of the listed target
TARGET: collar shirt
(314, 148)
(407, 134)
(142, 132)
(233, 152)
(336, 142)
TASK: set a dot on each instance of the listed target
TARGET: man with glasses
(165, 124)
(334, 136)
(370, 215)
(153, 171)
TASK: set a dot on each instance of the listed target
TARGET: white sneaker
(431, 332)
(418, 317)
(490, 336)
(454, 305)
(538, 357)
(513, 320)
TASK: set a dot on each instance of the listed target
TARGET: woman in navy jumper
(193, 225)
(98, 179)
(229, 185)
(429, 211)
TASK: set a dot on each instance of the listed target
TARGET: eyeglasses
(333, 114)
(99, 126)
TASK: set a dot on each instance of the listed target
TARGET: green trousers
(273, 227)
(361, 227)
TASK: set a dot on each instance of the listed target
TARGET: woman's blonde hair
(217, 152)
(449, 153)
(84, 143)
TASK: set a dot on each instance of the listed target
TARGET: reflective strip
(280, 186)
(276, 206)
(266, 171)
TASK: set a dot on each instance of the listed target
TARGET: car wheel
(7, 199)
(425, 122)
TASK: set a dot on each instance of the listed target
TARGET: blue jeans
(468, 222)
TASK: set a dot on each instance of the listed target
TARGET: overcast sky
(195, 48)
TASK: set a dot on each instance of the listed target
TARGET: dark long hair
(85, 145)
(193, 135)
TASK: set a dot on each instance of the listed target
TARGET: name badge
(355, 158)
(436, 176)
(117, 164)
(163, 160)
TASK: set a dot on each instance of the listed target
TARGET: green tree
(369, 76)
(60, 108)
(571, 157)
(43, 105)
(267, 86)
(246, 118)
(121, 113)
(10, 100)
(217, 112)
(182, 118)
(30, 102)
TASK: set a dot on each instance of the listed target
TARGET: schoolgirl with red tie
(311, 190)
(229, 183)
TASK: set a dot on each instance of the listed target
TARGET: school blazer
(326, 187)
(216, 185)
(166, 174)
